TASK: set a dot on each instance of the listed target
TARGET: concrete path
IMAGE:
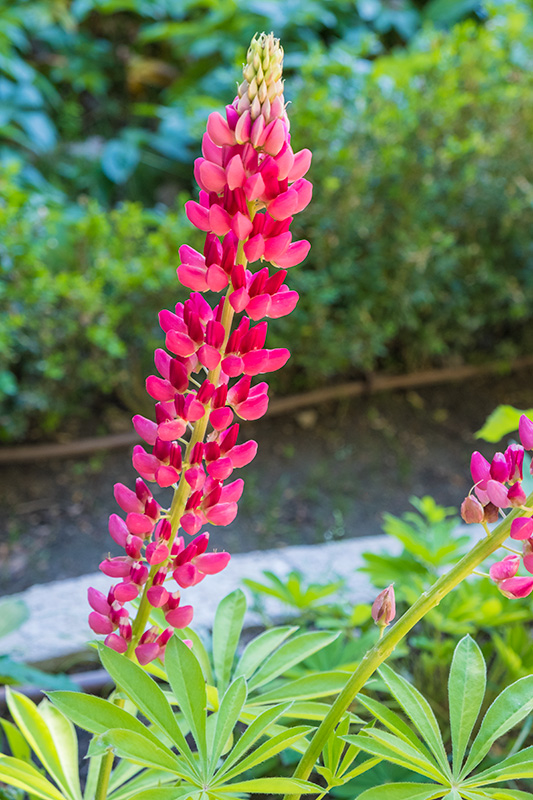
(57, 625)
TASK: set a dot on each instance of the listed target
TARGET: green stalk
(384, 647)
(179, 500)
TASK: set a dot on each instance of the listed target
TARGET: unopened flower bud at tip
(384, 607)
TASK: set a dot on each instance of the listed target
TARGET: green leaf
(13, 614)
(92, 778)
(147, 696)
(404, 791)
(507, 794)
(227, 716)
(187, 682)
(319, 684)
(272, 747)
(386, 745)
(419, 711)
(66, 743)
(332, 751)
(271, 785)
(448, 12)
(142, 750)
(17, 743)
(24, 776)
(253, 732)
(26, 716)
(292, 652)
(258, 650)
(96, 715)
(516, 767)
(502, 421)
(393, 722)
(466, 690)
(147, 779)
(511, 706)
(199, 651)
(227, 629)
(167, 793)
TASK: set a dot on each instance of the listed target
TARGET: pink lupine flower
(251, 185)
(480, 469)
(521, 528)
(525, 431)
(502, 570)
(527, 551)
(516, 587)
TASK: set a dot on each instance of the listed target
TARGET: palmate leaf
(393, 722)
(272, 747)
(466, 690)
(509, 708)
(289, 654)
(419, 712)
(319, 684)
(387, 746)
(147, 696)
(147, 779)
(227, 717)
(255, 730)
(24, 776)
(187, 682)
(140, 750)
(227, 629)
(32, 725)
(405, 791)
(260, 648)
(17, 743)
(515, 767)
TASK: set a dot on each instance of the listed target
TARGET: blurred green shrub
(79, 292)
(421, 223)
(422, 251)
(118, 90)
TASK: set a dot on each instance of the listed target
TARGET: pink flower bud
(472, 510)
(384, 607)
(491, 513)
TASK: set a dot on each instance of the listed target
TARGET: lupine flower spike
(251, 185)
(498, 485)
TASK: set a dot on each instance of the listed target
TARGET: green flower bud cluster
(261, 91)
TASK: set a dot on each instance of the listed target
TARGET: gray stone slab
(57, 625)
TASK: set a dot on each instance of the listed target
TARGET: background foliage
(418, 113)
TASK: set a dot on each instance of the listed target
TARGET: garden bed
(322, 473)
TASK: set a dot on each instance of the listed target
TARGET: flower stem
(384, 647)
